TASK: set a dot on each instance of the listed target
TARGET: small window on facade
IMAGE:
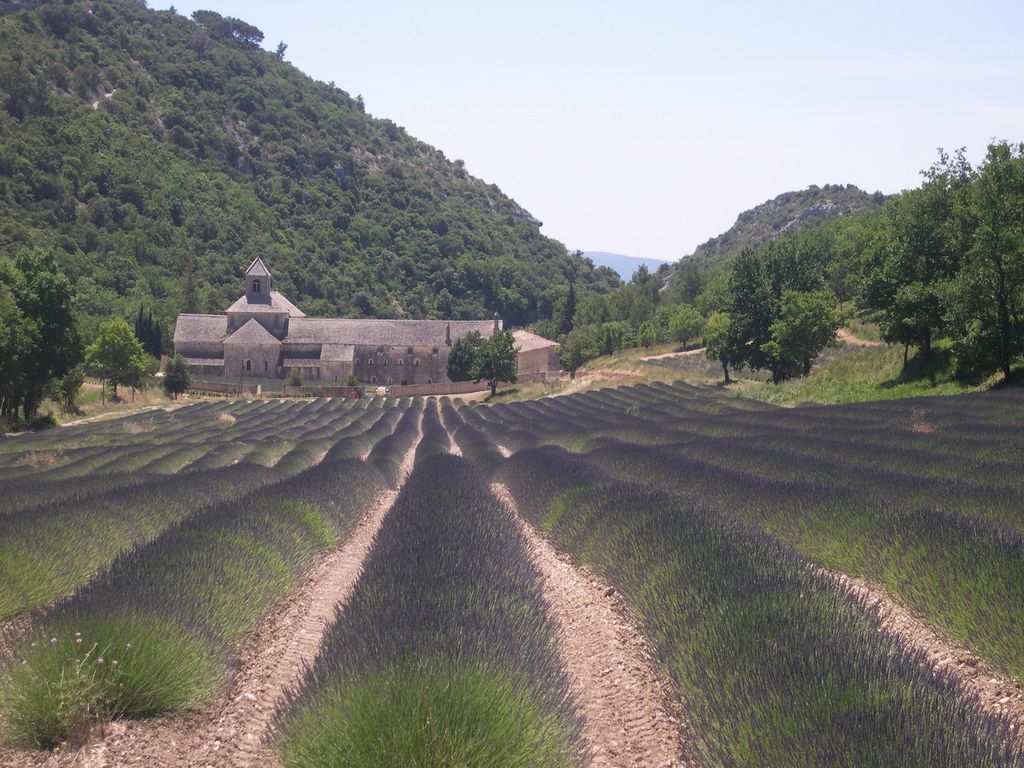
(401, 361)
(264, 365)
(369, 361)
(357, 361)
(416, 361)
(248, 365)
(385, 361)
(255, 286)
(408, 351)
(373, 379)
(435, 351)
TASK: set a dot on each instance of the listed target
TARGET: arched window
(373, 379)
(248, 365)
(255, 286)
(416, 361)
(401, 362)
(264, 365)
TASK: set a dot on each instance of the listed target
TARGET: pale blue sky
(644, 127)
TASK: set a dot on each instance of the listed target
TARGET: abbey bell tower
(257, 283)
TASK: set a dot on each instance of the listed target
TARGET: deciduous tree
(462, 355)
(495, 360)
(987, 300)
(116, 356)
(177, 379)
(719, 340)
(807, 323)
(685, 323)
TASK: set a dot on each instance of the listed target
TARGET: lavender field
(322, 580)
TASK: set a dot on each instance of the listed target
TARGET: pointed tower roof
(258, 268)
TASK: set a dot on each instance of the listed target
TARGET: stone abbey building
(263, 335)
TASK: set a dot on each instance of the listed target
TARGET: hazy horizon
(646, 131)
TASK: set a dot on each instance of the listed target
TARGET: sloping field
(620, 577)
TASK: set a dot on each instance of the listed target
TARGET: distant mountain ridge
(624, 265)
(790, 210)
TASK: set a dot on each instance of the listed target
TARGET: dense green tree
(45, 341)
(615, 335)
(807, 323)
(14, 343)
(495, 359)
(117, 357)
(177, 379)
(66, 388)
(646, 334)
(546, 328)
(686, 323)
(567, 311)
(753, 308)
(581, 345)
(986, 303)
(923, 252)
(719, 341)
(462, 355)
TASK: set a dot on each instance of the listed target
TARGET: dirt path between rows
(632, 717)
(997, 693)
(671, 355)
(233, 733)
(847, 336)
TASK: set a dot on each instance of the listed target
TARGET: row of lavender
(59, 531)
(160, 587)
(709, 512)
(923, 496)
(446, 652)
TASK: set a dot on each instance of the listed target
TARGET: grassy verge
(869, 373)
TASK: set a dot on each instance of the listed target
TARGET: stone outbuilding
(263, 335)
(537, 358)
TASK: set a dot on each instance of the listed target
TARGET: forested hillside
(784, 213)
(939, 268)
(156, 155)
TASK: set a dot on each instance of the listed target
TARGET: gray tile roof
(337, 352)
(301, 362)
(251, 333)
(393, 333)
(277, 304)
(527, 341)
(208, 361)
(200, 328)
(258, 268)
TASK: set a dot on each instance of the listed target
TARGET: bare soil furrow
(632, 716)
